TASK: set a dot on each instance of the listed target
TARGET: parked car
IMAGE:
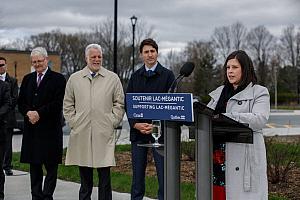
(20, 122)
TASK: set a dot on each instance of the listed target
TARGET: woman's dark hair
(248, 73)
(148, 41)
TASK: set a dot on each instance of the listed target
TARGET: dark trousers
(86, 180)
(139, 164)
(2, 176)
(8, 149)
(39, 192)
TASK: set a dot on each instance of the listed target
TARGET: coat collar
(158, 69)
(8, 78)
(44, 80)
(86, 72)
(245, 94)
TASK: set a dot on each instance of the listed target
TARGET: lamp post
(15, 69)
(133, 22)
(115, 36)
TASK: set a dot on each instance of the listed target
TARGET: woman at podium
(240, 170)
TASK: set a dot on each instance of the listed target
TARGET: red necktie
(40, 75)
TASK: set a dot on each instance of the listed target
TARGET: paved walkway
(17, 187)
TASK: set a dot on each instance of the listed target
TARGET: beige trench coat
(93, 107)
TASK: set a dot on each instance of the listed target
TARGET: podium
(207, 126)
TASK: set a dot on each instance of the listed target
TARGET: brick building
(19, 64)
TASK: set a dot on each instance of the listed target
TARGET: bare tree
(19, 43)
(229, 38)
(102, 33)
(202, 54)
(275, 63)
(47, 40)
(69, 46)
(174, 61)
(260, 42)
(1, 29)
(72, 52)
(290, 41)
(238, 32)
(222, 41)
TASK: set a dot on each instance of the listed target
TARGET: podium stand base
(152, 145)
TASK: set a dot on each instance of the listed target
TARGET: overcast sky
(175, 21)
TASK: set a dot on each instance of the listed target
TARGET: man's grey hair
(92, 46)
(39, 51)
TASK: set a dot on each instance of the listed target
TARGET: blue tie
(93, 74)
(150, 73)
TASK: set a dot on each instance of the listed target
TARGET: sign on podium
(162, 106)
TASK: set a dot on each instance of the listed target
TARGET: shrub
(188, 149)
(282, 157)
(285, 98)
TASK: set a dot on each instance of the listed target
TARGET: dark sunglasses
(1, 65)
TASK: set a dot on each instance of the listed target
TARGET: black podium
(207, 126)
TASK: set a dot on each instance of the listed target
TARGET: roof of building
(25, 52)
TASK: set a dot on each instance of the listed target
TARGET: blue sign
(162, 106)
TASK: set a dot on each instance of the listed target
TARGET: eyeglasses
(95, 57)
(37, 62)
(2, 65)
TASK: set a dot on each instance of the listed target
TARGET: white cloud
(176, 21)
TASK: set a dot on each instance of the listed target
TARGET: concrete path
(17, 187)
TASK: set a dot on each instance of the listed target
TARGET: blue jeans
(139, 164)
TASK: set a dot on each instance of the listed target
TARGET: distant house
(19, 64)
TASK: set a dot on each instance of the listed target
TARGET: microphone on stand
(185, 71)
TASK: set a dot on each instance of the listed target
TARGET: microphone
(185, 71)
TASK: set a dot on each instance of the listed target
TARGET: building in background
(19, 63)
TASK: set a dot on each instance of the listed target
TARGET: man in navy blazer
(152, 77)
(5, 102)
(11, 116)
(40, 102)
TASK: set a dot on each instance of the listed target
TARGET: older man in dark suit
(4, 108)
(11, 116)
(40, 101)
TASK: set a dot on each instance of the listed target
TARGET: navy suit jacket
(5, 102)
(11, 117)
(140, 82)
(42, 142)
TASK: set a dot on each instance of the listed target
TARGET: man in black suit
(152, 77)
(40, 101)
(11, 117)
(4, 108)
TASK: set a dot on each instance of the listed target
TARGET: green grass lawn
(120, 182)
(286, 107)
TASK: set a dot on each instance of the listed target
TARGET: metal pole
(204, 147)
(133, 34)
(298, 85)
(172, 161)
(115, 37)
(15, 69)
(275, 80)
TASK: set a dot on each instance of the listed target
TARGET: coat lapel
(246, 94)
(44, 80)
